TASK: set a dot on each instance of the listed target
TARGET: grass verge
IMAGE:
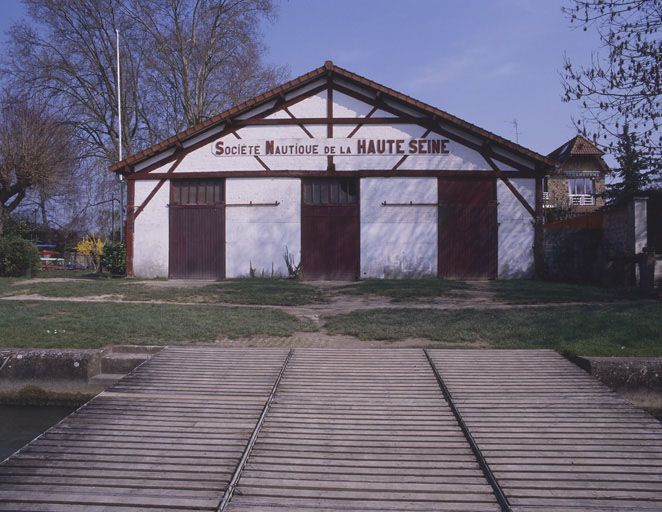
(401, 290)
(270, 292)
(540, 292)
(89, 325)
(603, 330)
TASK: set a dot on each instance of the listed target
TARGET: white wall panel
(313, 106)
(258, 235)
(151, 236)
(398, 241)
(347, 106)
(516, 230)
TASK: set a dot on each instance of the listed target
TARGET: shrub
(92, 248)
(114, 258)
(18, 257)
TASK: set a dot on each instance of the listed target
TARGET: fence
(609, 247)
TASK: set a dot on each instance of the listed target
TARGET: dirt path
(340, 305)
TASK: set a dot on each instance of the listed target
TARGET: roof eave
(125, 166)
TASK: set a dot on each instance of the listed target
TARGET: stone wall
(608, 252)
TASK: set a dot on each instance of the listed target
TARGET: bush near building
(18, 257)
(114, 258)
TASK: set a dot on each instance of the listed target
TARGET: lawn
(235, 291)
(600, 330)
(541, 292)
(402, 290)
(88, 325)
(603, 328)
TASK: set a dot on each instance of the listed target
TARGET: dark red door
(467, 228)
(197, 229)
(330, 229)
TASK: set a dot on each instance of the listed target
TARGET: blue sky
(486, 61)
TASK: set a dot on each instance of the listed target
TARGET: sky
(489, 62)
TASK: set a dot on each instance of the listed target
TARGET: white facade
(395, 241)
(516, 230)
(151, 252)
(258, 236)
(398, 241)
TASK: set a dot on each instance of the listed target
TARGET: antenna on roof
(515, 124)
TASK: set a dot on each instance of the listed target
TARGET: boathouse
(343, 175)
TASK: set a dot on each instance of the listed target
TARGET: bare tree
(36, 152)
(622, 83)
(66, 53)
(182, 60)
(201, 57)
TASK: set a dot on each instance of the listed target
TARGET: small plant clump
(293, 269)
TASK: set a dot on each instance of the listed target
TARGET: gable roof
(328, 69)
(578, 145)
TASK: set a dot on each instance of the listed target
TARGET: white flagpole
(119, 133)
(119, 96)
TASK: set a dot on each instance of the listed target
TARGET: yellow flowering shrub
(91, 247)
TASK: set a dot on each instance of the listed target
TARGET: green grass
(539, 292)
(603, 330)
(239, 291)
(72, 274)
(88, 325)
(400, 290)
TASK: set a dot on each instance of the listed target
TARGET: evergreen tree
(634, 173)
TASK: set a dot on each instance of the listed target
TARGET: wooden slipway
(555, 438)
(204, 428)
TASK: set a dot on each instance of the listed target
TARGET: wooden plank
(554, 438)
(351, 431)
(153, 441)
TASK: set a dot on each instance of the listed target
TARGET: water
(20, 424)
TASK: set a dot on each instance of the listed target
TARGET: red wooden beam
(510, 186)
(158, 186)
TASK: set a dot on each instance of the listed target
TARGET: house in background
(577, 184)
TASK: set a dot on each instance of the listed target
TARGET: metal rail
(410, 203)
(229, 491)
(251, 203)
(498, 492)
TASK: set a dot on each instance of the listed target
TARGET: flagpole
(119, 132)
(119, 96)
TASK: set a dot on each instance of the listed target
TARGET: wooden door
(197, 229)
(330, 229)
(468, 232)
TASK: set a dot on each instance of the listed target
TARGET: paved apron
(198, 428)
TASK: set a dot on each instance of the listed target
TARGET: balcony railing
(582, 200)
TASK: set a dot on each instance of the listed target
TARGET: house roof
(578, 145)
(328, 69)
